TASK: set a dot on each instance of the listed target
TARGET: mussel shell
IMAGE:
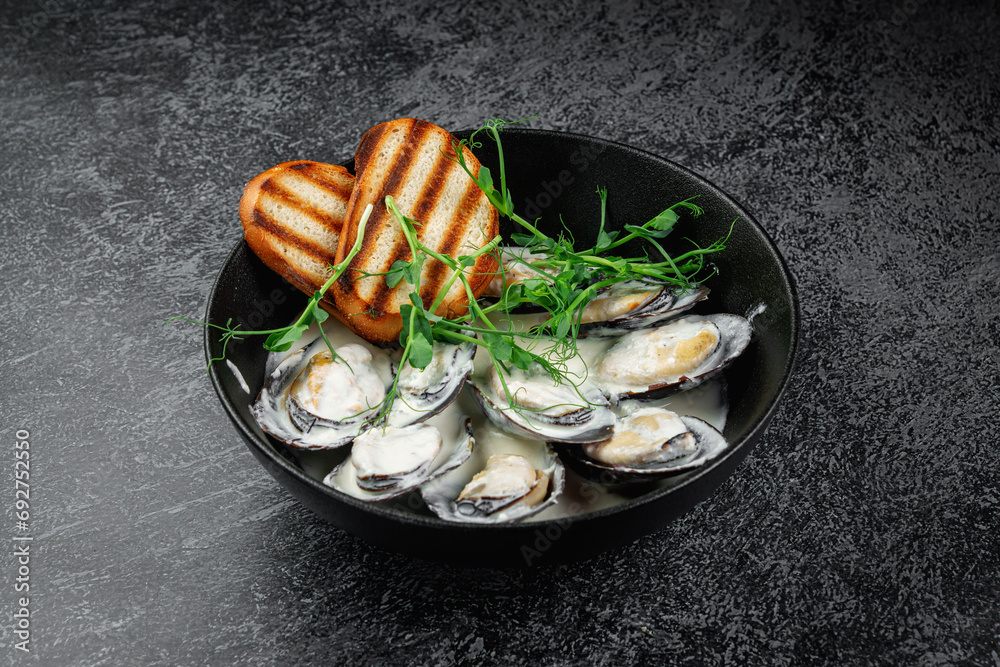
(710, 444)
(577, 427)
(670, 303)
(306, 421)
(281, 418)
(735, 332)
(441, 493)
(412, 408)
(452, 455)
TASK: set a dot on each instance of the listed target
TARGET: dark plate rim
(750, 437)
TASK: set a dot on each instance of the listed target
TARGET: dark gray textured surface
(864, 528)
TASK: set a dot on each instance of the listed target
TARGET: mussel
(313, 401)
(615, 310)
(635, 304)
(426, 392)
(532, 404)
(389, 461)
(673, 357)
(647, 444)
(501, 482)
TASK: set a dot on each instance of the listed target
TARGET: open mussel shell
(281, 416)
(707, 444)
(443, 494)
(425, 392)
(642, 379)
(634, 305)
(395, 461)
(586, 415)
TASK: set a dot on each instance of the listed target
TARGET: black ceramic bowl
(550, 174)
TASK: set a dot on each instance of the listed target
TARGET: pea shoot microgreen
(563, 281)
(571, 278)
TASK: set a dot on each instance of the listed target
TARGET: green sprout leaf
(395, 274)
(521, 357)
(280, 341)
(499, 345)
(525, 240)
(421, 352)
(485, 179)
(664, 222)
(319, 314)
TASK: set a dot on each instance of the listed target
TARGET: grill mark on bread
(371, 139)
(487, 265)
(423, 208)
(338, 188)
(400, 170)
(282, 193)
(429, 190)
(293, 266)
(309, 195)
(432, 188)
(372, 143)
(317, 226)
(392, 186)
(439, 271)
(275, 228)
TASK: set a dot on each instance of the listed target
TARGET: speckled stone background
(862, 530)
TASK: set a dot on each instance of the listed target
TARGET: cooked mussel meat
(315, 401)
(673, 357)
(532, 403)
(500, 483)
(388, 461)
(507, 479)
(635, 304)
(427, 391)
(647, 444)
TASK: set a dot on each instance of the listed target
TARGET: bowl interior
(553, 176)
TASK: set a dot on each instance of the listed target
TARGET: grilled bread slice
(292, 217)
(414, 161)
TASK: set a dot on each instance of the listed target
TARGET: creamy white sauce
(337, 390)
(449, 423)
(756, 311)
(706, 401)
(395, 451)
(491, 440)
(238, 376)
(338, 335)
